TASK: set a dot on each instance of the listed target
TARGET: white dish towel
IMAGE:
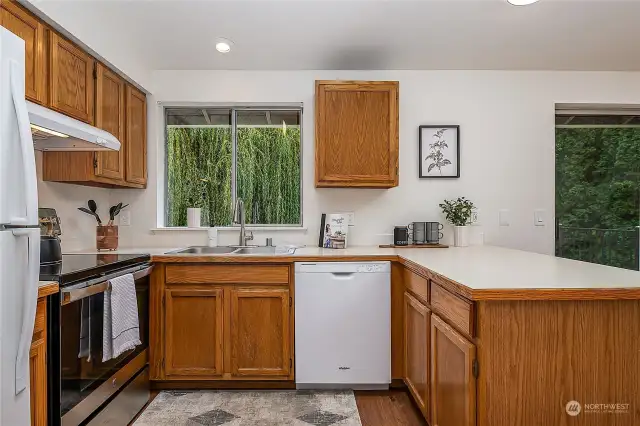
(121, 329)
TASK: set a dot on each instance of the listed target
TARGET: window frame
(234, 108)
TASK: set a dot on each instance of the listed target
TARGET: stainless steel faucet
(239, 219)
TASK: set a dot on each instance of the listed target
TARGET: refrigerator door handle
(30, 304)
(26, 143)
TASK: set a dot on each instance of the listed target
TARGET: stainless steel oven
(91, 391)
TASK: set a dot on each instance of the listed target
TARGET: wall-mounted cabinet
(71, 79)
(20, 22)
(357, 134)
(62, 76)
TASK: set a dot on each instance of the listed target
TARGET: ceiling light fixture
(521, 2)
(223, 45)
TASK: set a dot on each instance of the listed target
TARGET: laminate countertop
(482, 272)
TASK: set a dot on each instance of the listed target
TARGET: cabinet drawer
(416, 284)
(228, 274)
(41, 318)
(457, 311)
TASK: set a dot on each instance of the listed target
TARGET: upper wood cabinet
(110, 117)
(193, 330)
(417, 347)
(453, 379)
(357, 134)
(71, 79)
(22, 23)
(260, 335)
(136, 137)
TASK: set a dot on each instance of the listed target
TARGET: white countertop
(483, 267)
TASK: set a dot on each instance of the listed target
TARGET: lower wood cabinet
(260, 336)
(417, 319)
(38, 366)
(453, 377)
(194, 330)
(239, 326)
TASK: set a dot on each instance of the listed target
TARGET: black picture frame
(422, 174)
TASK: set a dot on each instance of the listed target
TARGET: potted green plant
(197, 200)
(458, 213)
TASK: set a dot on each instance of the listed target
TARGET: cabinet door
(357, 134)
(260, 332)
(71, 79)
(110, 110)
(416, 351)
(32, 31)
(453, 384)
(193, 330)
(38, 377)
(136, 124)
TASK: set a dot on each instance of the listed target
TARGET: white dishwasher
(343, 325)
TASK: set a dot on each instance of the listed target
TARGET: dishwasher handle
(343, 275)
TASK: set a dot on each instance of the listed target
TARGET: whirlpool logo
(344, 368)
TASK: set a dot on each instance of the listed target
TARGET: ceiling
(362, 34)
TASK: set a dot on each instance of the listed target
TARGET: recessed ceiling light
(223, 45)
(521, 2)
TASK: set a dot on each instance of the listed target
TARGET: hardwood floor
(379, 408)
(388, 408)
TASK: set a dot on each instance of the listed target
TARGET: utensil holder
(107, 237)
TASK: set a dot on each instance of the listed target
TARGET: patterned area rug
(266, 408)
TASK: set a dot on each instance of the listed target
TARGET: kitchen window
(216, 155)
(598, 184)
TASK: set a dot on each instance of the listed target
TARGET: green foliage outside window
(598, 194)
(199, 162)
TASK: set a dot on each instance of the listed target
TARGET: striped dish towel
(121, 329)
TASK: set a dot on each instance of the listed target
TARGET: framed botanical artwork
(439, 151)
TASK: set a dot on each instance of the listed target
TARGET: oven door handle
(73, 295)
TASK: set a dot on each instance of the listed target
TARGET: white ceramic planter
(461, 236)
(193, 217)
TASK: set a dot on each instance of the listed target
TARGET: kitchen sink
(232, 250)
(255, 250)
(205, 250)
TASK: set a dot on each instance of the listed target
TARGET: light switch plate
(505, 219)
(125, 218)
(539, 217)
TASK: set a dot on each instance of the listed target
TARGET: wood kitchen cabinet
(453, 376)
(221, 322)
(194, 330)
(357, 134)
(71, 81)
(26, 26)
(110, 117)
(260, 337)
(417, 347)
(122, 111)
(136, 137)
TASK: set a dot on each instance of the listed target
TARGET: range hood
(53, 131)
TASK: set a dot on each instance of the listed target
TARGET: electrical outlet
(475, 218)
(351, 218)
(125, 218)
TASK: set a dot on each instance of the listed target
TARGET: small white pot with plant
(197, 200)
(458, 213)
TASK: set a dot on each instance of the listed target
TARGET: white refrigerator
(19, 235)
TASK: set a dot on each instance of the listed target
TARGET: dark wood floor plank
(387, 408)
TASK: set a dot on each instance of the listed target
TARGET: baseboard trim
(222, 384)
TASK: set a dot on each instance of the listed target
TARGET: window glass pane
(199, 165)
(268, 167)
(598, 194)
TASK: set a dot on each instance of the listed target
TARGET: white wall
(507, 148)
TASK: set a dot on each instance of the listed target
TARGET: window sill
(230, 228)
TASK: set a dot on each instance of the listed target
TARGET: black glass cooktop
(77, 267)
